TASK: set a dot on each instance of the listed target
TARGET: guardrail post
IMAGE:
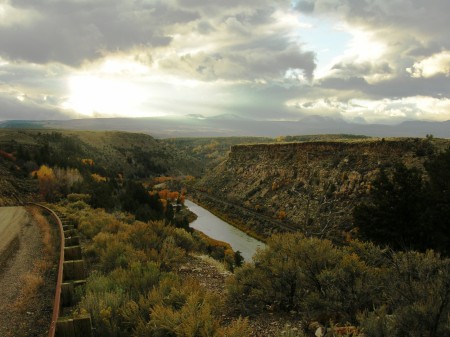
(71, 268)
(72, 253)
(74, 327)
(72, 241)
(74, 270)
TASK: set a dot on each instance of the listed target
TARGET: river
(218, 229)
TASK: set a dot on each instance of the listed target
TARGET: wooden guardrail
(71, 273)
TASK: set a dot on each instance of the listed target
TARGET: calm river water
(218, 229)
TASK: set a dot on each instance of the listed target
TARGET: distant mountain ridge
(231, 125)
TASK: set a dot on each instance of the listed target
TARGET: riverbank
(224, 217)
(218, 229)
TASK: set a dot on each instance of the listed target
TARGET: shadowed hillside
(131, 154)
(309, 186)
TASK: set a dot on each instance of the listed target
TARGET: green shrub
(94, 222)
(170, 255)
(358, 283)
(74, 197)
(105, 309)
(138, 279)
(418, 295)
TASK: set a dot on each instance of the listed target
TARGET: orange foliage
(97, 177)
(182, 199)
(164, 204)
(174, 196)
(159, 180)
(88, 162)
(163, 194)
(8, 156)
(282, 215)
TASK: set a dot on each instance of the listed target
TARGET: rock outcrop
(311, 186)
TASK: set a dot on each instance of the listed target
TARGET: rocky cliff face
(311, 187)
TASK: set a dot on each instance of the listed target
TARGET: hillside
(130, 154)
(13, 187)
(307, 186)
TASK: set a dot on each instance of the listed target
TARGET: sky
(364, 61)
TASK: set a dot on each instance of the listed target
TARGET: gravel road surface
(20, 248)
(11, 221)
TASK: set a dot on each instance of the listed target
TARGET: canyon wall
(312, 186)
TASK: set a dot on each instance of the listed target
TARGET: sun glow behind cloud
(100, 95)
(121, 87)
(110, 88)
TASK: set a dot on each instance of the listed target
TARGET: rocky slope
(14, 190)
(312, 187)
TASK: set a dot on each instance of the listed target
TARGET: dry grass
(34, 280)
(31, 284)
(46, 232)
(208, 259)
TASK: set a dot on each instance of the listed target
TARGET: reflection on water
(218, 229)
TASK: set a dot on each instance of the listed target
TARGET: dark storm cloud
(306, 6)
(347, 69)
(402, 86)
(436, 86)
(245, 64)
(251, 44)
(72, 31)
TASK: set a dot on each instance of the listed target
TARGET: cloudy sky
(361, 60)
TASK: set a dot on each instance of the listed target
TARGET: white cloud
(432, 66)
(377, 111)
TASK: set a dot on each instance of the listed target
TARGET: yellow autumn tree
(48, 186)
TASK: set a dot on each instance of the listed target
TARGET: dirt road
(20, 248)
(11, 221)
